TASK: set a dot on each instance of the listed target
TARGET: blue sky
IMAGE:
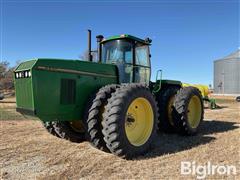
(187, 35)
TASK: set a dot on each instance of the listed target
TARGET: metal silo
(227, 74)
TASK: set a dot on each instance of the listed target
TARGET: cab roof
(126, 36)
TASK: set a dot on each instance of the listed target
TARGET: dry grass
(27, 151)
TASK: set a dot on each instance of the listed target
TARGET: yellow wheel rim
(139, 121)
(169, 110)
(77, 126)
(194, 111)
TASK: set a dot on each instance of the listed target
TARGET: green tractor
(112, 103)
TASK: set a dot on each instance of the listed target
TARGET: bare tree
(84, 56)
(6, 76)
(3, 68)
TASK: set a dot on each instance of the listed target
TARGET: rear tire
(188, 110)
(94, 116)
(65, 130)
(130, 121)
(165, 101)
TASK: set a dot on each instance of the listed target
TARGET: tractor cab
(130, 54)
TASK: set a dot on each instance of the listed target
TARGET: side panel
(48, 94)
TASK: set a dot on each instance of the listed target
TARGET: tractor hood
(57, 89)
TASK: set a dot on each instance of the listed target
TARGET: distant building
(227, 74)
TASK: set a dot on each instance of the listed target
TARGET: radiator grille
(68, 91)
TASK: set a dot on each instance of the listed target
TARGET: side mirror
(148, 40)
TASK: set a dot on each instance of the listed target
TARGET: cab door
(125, 67)
(142, 67)
(120, 53)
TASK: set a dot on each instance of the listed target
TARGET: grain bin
(227, 74)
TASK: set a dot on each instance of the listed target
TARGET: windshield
(118, 51)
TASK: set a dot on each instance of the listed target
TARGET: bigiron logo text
(202, 171)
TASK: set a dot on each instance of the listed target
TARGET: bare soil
(27, 151)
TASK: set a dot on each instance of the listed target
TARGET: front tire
(94, 116)
(72, 131)
(130, 121)
(49, 127)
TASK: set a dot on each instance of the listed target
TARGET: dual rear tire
(188, 110)
(180, 109)
(165, 99)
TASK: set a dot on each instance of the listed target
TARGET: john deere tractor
(112, 103)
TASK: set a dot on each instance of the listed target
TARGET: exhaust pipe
(89, 45)
(99, 50)
(99, 39)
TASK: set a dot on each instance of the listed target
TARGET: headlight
(23, 74)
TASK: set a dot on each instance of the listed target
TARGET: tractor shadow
(173, 143)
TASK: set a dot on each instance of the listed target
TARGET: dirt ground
(27, 151)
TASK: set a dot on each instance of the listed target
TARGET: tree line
(6, 76)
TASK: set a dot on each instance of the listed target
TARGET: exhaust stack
(89, 45)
